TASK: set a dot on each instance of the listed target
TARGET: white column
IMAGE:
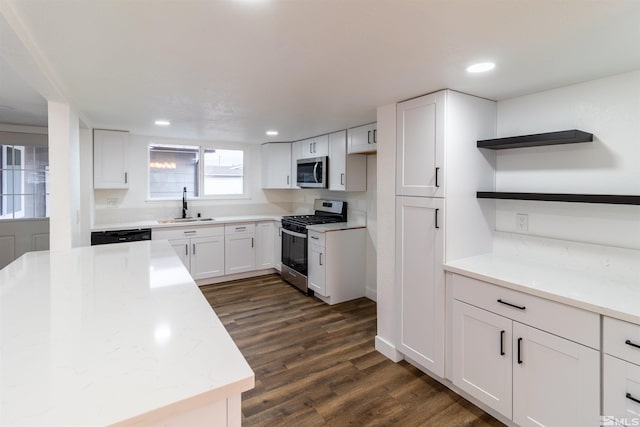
(386, 226)
(64, 176)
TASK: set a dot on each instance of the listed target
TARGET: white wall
(115, 206)
(610, 109)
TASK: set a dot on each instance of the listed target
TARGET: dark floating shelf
(539, 139)
(556, 197)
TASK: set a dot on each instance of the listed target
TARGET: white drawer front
(621, 391)
(171, 233)
(621, 339)
(569, 322)
(240, 228)
(316, 238)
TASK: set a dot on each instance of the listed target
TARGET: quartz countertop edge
(135, 225)
(321, 228)
(605, 294)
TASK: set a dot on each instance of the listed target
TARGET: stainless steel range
(294, 239)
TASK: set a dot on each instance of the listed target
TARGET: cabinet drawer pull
(632, 398)
(315, 238)
(632, 344)
(519, 345)
(502, 343)
(241, 228)
(190, 232)
(519, 307)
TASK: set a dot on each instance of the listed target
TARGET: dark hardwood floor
(316, 365)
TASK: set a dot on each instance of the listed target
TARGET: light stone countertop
(98, 335)
(607, 294)
(156, 224)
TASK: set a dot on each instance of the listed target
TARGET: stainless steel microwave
(312, 173)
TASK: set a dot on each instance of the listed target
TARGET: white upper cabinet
(314, 147)
(420, 146)
(363, 139)
(110, 166)
(346, 172)
(276, 166)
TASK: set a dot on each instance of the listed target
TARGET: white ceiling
(228, 70)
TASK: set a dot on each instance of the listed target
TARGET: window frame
(201, 167)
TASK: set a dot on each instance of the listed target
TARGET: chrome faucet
(184, 202)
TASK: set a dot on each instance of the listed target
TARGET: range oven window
(294, 251)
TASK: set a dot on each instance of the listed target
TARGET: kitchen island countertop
(110, 334)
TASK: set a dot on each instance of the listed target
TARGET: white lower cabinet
(277, 246)
(207, 257)
(531, 376)
(336, 264)
(264, 245)
(420, 278)
(240, 248)
(621, 372)
(200, 249)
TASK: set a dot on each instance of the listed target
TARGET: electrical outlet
(522, 222)
(112, 203)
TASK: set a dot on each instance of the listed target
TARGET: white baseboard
(389, 350)
(229, 277)
(372, 294)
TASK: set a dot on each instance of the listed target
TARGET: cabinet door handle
(519, 350)
(519, 307)
(368, 137)
(314, 147)
(287, 179)
(632, 344)
(502, 353)
(252, 242)
(190, 232)
(320, 258)
(240, 228)
(315, 238)
(436, 215)
(311, 147)
(342, 179)
(194, 249)
(186, 249)
(437, 185)
(126, 178)
(375, 136)
(630, 397)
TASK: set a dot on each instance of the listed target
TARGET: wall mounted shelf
(549, 138)
(556, 197)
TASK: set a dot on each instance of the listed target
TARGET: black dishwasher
(120, 236)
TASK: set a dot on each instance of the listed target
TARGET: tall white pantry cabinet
(438, 171)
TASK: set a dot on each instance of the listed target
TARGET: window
(173, 167)
(223, 172)
(24, 181)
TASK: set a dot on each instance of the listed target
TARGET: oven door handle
(293, 233)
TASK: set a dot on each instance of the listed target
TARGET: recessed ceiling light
(162, 122)
(481, 67)
(272, 132)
